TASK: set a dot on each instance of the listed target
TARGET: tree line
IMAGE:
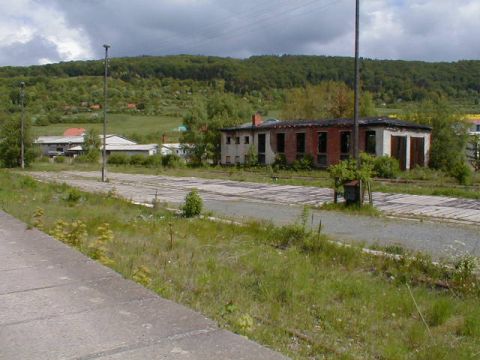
(388, 80)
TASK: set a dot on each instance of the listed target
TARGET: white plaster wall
(233, 150)
(386, 136)
(379, 141)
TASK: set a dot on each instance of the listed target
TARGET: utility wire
(259, 21)
(246, 13)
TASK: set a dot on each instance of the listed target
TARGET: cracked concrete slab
(57, 304)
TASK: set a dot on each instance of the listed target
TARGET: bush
(280, 162)
(73, 196)
(153, 161)
(386, 167)
(171, 161)
(60, 159)
(81, 159)
(462, 173)
(118, 159)
(91, 156)
(137, 159)
(193, 204)
(288, 235)
(305, 163)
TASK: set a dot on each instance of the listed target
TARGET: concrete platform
(55, 303)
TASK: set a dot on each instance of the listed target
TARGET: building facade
(73, 145)
(327, 142)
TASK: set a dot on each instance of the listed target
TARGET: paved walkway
(173, 189)
(440, 239)
(57, 304)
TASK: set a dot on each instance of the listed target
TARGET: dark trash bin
(352, 192)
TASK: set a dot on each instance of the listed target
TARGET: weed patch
(289, 288)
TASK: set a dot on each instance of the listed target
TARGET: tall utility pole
(104, 150)
(22, 125)
(356, 85)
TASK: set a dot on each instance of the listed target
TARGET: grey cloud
(420, 29)
(428, 30)
(20, 54)
(228, 28)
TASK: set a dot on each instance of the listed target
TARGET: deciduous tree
(10, 141)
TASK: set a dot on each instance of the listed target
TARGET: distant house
(474, 125)
(127, 149)
(72, 145)
(180, 150)
(74, 132)
(327, 142)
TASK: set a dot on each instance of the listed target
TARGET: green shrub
(193, 204)
(462, 173)
(137, 159)
(81, 159)
(60, 159)
(42, 159)
(386, 167)
(118, 159)
(171, 161)
(153, 161)
(73, 196)
(280, 161)
(305, 163)
(288, 235)
(92, 156)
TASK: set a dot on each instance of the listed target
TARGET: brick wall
(311, 139)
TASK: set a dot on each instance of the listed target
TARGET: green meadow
(140, 127)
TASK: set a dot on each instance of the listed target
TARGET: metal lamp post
(104, 150)
(22, 125)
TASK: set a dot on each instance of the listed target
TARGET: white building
(73, 145)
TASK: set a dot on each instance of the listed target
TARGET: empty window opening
(322, 149)
(281, 143)
(370, 142)
(300, 143)
(345, 144)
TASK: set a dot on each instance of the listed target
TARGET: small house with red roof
(74, 132)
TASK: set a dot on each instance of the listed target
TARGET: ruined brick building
(326, 141)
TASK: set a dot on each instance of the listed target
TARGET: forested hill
(386, 79)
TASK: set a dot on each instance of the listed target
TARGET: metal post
(104, 150)
(356, 86)
(22, 125)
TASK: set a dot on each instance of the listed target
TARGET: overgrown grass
(124, 124)
(366, 209)
(284, 287)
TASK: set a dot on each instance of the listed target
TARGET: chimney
(256, 119)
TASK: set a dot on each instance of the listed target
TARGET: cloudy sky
(44, 31)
